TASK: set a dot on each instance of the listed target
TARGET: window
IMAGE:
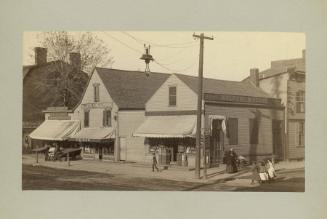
(254, 131)
(107, 118)
(300, 101)
(172, 96)
(86, 118)
(301, 130)
(96, 92)
(232, 129)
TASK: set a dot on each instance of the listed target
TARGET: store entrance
(216, 143)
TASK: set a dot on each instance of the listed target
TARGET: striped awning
(57, 130)
(94, 134)
(167, 127)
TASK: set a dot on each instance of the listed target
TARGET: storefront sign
(241, 99)
(102, 105)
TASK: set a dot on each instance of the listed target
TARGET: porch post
(117, 143)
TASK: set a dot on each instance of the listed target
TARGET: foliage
(92, 49)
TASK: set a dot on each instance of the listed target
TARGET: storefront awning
(93, 134)
(56, 130)
(167, 127)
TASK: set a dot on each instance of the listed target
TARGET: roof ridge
(131, 71)
(207, 78)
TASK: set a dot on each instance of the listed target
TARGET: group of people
(52, 152)
(263, 171)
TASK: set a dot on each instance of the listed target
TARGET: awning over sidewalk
(94, 134)
(167, 127)
(56, 130)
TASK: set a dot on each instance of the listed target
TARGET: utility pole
(199, 109)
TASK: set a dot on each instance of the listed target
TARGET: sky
(228, 57)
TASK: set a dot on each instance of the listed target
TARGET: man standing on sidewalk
(154, 162)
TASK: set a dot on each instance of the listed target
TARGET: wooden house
(236, 115)
(112, 107)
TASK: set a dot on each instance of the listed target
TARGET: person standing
(231, 161)
(270, 170)
(154, 163)
(263, 172)
(255, 173)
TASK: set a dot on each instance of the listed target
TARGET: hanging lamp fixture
(147, 57)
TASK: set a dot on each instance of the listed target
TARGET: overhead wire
(138, 51)
(171, 45)
(174, 70)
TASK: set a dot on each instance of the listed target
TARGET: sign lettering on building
(240, 99)
(101, 105)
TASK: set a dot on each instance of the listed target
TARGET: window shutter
(109, 118)
(86, 119)
(233, 131)
(104, 114)
(254, 131)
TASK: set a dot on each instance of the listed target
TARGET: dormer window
(96, 92)
(172, 96)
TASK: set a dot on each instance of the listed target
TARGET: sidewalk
(129, 170)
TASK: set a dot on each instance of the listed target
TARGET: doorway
(277, 128)
(216, 143)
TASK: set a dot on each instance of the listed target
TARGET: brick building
(45, 85)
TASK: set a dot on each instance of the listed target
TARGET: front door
(216, 143)
(277, 128)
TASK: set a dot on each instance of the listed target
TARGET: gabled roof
(215, 86)
(26, 69)
(131, 89)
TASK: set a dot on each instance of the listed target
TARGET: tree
(59, 83)
(92, 49)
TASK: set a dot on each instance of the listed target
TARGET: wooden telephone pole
(199, 109)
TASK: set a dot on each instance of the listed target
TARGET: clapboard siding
(295, 151)
(96, 114)
(129, 121)
(135, 149)
(293, 88)
(186, 98)
(265, 143)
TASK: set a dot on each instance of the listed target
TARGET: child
(263, 172)
(270, 170)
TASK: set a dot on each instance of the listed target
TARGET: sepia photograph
(164, 111)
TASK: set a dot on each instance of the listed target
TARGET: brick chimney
(254, 76)
(75, 60)
(40, 55)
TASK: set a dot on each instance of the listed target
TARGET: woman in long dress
(231, 161)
